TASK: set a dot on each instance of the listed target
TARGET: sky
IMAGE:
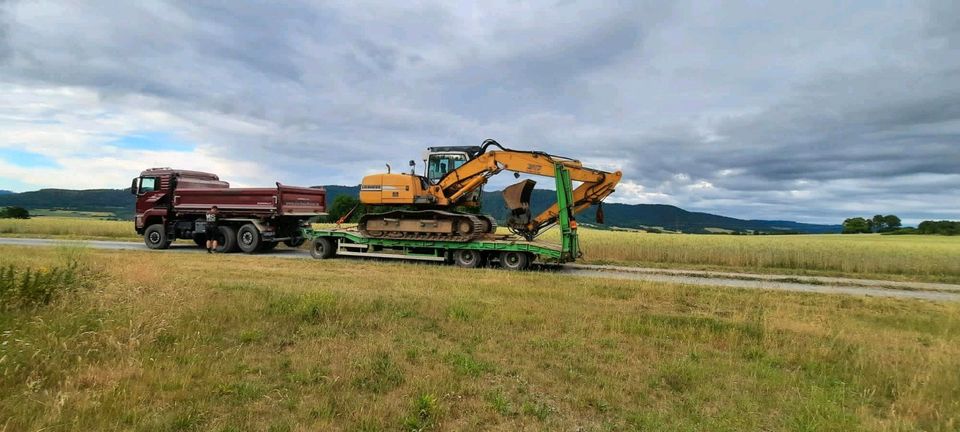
(810, 111)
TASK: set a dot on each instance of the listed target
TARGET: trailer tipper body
(172, 204)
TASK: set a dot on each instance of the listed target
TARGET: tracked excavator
(455, 177)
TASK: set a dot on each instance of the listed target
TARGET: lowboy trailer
(511, 251)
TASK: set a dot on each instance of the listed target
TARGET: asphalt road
(812, 284)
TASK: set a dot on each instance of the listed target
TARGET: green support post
(570, 243)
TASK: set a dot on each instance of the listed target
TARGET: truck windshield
(148, 184)
(438, 165)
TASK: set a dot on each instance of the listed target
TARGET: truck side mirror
(133, 186)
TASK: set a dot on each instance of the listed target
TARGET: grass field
(73, 214)
(68, 227)
(935, 258)
(233, 342)
(929, 258)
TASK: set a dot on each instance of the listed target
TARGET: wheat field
(69, 228)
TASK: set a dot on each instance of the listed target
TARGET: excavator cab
(440, 161)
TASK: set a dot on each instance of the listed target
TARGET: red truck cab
(172, 204)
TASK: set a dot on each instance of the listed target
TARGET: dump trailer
(172, 204)
(511, 251)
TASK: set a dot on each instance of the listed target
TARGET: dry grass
(68, 227)
(935, 258)
(231, 342)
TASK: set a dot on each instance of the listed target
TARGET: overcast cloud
(810, 111)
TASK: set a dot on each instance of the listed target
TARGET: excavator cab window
(439, 164)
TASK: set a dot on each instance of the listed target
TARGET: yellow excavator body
(391, 189)
(455, 176)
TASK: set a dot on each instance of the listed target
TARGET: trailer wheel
(514, 260)
(323, 248)
(155, 237)
(468, 258)
(295, 242)
(248, 238)
(227, 240)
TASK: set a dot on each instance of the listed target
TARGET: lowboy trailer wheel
(467, 258)
(323, 248)
(512, 260)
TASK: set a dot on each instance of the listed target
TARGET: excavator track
(426, 225)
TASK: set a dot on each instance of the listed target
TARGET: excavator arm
(595, 184)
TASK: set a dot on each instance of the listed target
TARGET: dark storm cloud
(809, 111)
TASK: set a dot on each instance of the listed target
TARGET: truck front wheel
(227, 240)
(156, 237)
(249, 238)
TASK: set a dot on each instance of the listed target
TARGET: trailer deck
(510, 251)
(349, 242)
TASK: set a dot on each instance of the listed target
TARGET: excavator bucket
(517, 199)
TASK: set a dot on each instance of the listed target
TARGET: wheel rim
(468, 256)
(246, 238)
(154, 237)
(318, 247)
(512, 259)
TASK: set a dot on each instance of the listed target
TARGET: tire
(514, 260)
(295, 242)
(200, 240)
(323, 248)
(248, 238)
(267, 246)
(155, 237)
(468, 258)
(227, 240)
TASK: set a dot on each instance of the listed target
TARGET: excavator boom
(595, 185)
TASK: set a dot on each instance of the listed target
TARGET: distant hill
(117, 201)
(656, 216)
(5, 192)
(639, 216)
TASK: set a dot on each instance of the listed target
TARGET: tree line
(890, 224)
(943, 227)
(14, 213)
(878, 223)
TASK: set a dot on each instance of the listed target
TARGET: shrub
(29, 287)
(14, 213)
